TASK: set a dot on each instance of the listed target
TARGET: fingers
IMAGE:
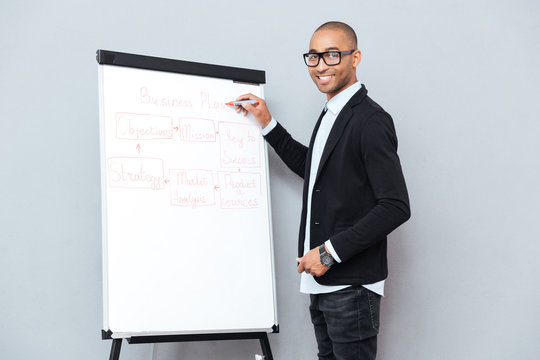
(259, 111)
(239, 109)
(311, 266)
(303, 267)
(249, 96)
(300, 265)
(248, 107)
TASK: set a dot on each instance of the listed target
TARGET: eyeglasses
(330, 58)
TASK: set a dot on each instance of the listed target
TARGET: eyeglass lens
(330, 58)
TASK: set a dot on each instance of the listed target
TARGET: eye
(313, 57)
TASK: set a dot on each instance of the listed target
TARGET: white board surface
(187, 243)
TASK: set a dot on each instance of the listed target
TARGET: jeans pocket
(374, 301)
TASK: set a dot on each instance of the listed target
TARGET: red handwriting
(211, 103)
(135, 173)
(165, 101)
(240, 190)
(197, 130)
(142, 126)
(234, 160)
(240, 145)
(192, 188)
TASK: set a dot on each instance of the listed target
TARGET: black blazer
(359, 195)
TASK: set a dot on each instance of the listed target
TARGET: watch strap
(326, 258)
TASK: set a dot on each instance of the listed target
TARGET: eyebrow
(327, 49)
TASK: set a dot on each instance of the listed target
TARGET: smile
(325, 78)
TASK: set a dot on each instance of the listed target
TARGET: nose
(322, 65)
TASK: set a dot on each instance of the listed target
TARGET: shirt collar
(337, 103)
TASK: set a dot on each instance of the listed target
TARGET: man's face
(332, 79)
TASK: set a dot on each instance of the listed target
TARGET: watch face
(325, 260)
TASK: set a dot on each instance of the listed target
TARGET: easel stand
(262, 336)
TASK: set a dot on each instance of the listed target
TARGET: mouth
(323, 79)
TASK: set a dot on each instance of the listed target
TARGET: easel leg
(265, 345)
(115, 349)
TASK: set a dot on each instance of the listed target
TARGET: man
(354, 196)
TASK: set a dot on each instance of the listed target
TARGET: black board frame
(108, 57)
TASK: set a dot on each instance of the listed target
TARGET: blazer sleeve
(378, 144)
(289, 150)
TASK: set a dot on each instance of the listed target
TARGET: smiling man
(354, 196)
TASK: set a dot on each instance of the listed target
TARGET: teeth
(325, 77)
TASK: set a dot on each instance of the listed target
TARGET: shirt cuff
(271, 125)
(333, 252)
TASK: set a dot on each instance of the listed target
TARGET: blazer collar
(339, 125)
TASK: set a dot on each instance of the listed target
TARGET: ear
(357, 56)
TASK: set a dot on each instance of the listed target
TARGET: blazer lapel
(310, 149)
(341, 122)
(335, 134)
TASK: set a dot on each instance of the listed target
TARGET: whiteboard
(187, 240)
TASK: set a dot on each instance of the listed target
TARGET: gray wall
(460, 79)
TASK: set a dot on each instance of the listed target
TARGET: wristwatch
(326, 258)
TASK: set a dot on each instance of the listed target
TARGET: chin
(328, 91)
(323, 89)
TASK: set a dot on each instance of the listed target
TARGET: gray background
(460, 79)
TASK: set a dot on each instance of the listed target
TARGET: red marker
(240, 102)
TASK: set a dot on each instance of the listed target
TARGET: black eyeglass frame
(321, 56)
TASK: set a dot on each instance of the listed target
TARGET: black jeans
(346, 323)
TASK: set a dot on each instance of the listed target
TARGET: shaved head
(346, 29)
(340, 40)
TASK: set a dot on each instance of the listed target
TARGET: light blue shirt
(308, 285)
